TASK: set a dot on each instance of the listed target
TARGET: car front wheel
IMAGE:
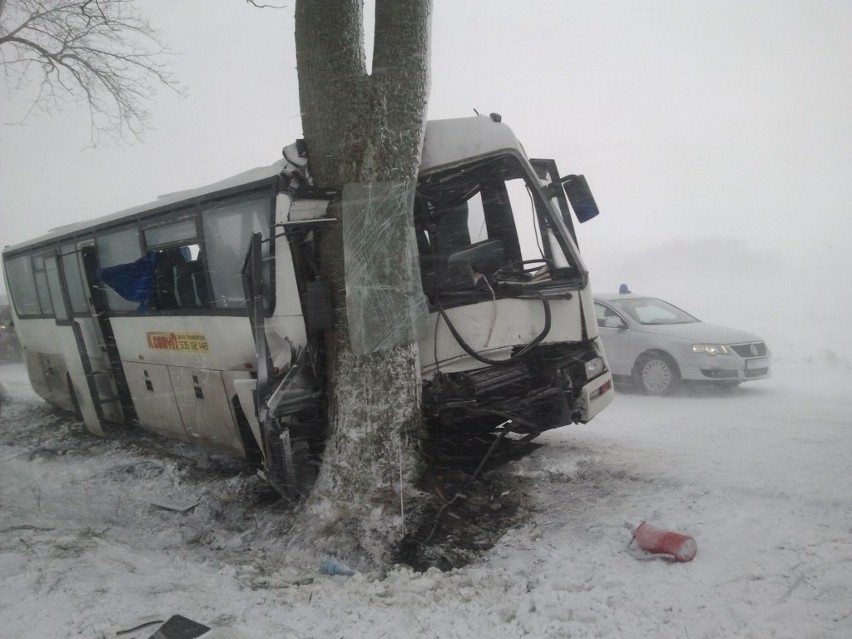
(656, 374)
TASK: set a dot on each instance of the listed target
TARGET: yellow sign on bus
(164, 341)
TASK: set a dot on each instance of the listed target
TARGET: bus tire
(291, 469)
(304, 466)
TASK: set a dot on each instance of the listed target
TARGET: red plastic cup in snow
(665, 542)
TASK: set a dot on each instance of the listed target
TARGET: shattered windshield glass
(485, 222)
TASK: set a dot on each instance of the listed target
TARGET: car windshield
(648, 310)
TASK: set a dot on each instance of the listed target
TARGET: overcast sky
(711, 131)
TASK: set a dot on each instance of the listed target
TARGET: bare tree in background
(101, 53)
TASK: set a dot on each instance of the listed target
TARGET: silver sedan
(658, 345)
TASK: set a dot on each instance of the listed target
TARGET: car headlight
(711, 349)
(594, 367)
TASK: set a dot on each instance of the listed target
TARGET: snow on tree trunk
(364, 134)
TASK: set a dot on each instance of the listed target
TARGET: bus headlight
(594, 367)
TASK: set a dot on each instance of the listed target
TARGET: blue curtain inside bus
(133, 281)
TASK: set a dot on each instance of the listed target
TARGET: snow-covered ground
(759, 476)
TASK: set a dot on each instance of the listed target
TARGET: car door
(615, 334)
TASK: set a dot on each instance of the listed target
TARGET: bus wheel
(290, 468)
(305, 467)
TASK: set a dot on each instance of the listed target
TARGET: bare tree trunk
(365, 134)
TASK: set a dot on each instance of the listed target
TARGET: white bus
(201, 316)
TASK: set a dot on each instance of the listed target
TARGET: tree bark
(364, 133)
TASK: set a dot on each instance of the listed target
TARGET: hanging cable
(498, 362)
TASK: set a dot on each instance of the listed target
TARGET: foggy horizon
(705, 130)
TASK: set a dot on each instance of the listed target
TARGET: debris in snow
(330, 567)
(137, 625)
(302, 581)
(177, 506)
(179, 627)
(663, 544)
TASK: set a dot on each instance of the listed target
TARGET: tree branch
(265, 6)
(99, 52)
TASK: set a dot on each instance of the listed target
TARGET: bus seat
(187, 288)
(165, 295)
(199, 285)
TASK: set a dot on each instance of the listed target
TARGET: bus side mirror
(580, 196)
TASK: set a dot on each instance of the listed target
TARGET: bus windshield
(487, 219)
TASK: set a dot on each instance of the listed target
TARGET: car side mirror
(614, 322)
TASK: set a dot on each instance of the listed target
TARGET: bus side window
(19, 271)
(41, 285)
(120, 248)
(51, 268)
(177, 250)
(227, 230)
(74, 279)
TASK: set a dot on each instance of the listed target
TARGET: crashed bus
(201, 316)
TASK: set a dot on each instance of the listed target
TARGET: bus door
(79, 265)
(82, 379)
